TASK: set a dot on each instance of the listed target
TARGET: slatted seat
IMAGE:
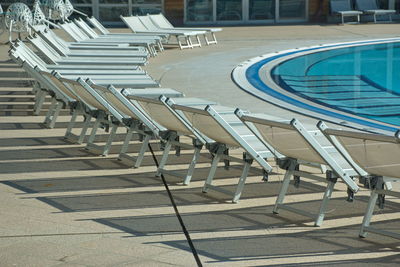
(378, 156)
(292, 144)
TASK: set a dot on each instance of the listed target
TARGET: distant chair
(344, 9)
(369, 7)
(261, 10)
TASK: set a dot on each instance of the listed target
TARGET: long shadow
(272, 245)
(8, 98)
(12, 93)
(8, 74)
(190, 196)
(278, 248)
(121, 201)
(34, 125)
(15, 83)
(32, 141)
(72, 184)
(240, 219)
(61, 165)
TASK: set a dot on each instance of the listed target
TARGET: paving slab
(63, 206)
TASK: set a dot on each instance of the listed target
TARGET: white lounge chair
(176, 126)
(21, 53)
(378, 156)
(292, 145)
(139, 121)
(343, 8)
(369, 7)
(104, 100)
(162, 22)
(138, 25)
(123, 37)
(104, 31)
(54, 57)
(80, 36)
(225, 131)
(64, 49)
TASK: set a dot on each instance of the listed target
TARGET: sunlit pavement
(61, 205)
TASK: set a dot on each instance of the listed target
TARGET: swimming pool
(355, 84)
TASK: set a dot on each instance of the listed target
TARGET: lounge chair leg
(370, 208)
(285, 186)
(214, 38)
(54, 117)
(50, 112)
(206, 39)
(192, 165)
(93, 133)
(142, 150)
(198, 41)
(71, 124)
(189, 42)
(213, 168)
(179, 42)
(39, 100)
(248, 161)
(368, 215)
(325, 200)
(164, 158)
(110, 140)
(85, 127)
(125, 145)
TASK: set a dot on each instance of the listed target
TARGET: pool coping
(254, 77)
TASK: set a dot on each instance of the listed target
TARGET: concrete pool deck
(62, 206)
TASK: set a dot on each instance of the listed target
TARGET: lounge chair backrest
(71, 33)
(134, 24)
(112, 98)
(77, 36)
(285, 139)
(35, 73)
(82, 93)
(53, 77)
(340, 5)
(89, 31)
(98, 25)
(78, 30)
(55, 42)
(163, 114)
(116, 98)
(204, 123)
(26, 54)
(161, 21)
(46, 50)
(377, 154)
(366, 5)
(148, 23)
(46, 82)
(91, 97)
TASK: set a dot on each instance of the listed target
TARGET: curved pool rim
(254, 77)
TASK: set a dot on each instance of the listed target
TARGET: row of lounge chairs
(93, 81)
(344, 9)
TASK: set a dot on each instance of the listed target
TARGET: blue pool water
(362, 80)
